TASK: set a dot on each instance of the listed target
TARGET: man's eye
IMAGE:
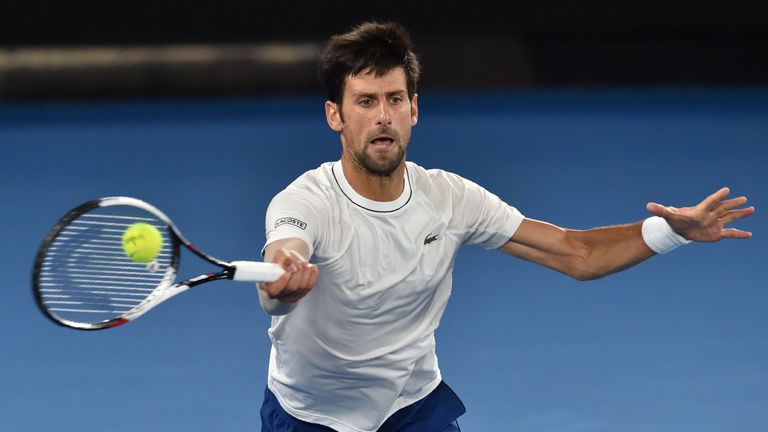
(396, 99)
(365, 102)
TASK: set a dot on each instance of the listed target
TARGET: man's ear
(414, 110)
(333, 116)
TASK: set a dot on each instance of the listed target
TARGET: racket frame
(163, 291)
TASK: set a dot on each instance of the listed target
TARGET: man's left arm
(598, 252)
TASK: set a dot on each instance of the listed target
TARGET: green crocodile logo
(430, 238)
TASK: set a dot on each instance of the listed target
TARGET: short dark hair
(379, 47)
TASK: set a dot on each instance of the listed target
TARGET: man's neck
(375, 188)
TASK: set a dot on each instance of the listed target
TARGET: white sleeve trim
(516, 219)
(301, 235)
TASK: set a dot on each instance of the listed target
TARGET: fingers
(293, 285)
(734, 233)
(658, 210)
(715, 203)
(728, 212)
(724, 206)
(667, 212)
(733, 215)
(299, 278)
(300, 283)
(713, 200)
(706, 221)
(275, 287)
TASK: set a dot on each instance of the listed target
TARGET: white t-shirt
(361, 344)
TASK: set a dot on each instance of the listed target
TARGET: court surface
(676, 344)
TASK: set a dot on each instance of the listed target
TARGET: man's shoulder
(313, 188)
(313, 180)
(433, 176)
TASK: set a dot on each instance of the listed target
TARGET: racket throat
(225, 274)
(158, 296)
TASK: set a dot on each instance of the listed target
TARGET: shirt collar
(368, 204)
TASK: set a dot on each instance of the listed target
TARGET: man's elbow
(585, 275)
(580, 265)
(583, 271)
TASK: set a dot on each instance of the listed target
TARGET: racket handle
(254, 271)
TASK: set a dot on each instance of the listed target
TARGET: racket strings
(86, 275)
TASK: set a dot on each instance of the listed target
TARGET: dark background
(464, 45)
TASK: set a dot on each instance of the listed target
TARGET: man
(353, 345)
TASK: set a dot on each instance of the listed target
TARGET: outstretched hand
(706, 221)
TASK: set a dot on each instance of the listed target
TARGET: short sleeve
(489, 221)
(293, 214)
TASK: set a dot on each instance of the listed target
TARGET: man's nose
(385, 115)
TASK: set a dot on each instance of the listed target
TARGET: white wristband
(660, 237)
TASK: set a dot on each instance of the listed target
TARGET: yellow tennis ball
(142, 242)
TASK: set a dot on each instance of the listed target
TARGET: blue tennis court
(677, 343)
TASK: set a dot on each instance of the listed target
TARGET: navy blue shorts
(437, 412)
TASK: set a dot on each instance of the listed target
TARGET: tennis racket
(83, 278)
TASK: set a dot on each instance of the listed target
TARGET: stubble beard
(382, 166)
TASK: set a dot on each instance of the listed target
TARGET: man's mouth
(382, 141)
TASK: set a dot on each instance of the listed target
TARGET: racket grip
(254, 271)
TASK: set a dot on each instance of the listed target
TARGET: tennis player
(353, 346)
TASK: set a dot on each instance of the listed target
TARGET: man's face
(375, 120)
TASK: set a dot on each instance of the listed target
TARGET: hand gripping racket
(84, 279)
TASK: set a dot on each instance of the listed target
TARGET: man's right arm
(280, 297)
